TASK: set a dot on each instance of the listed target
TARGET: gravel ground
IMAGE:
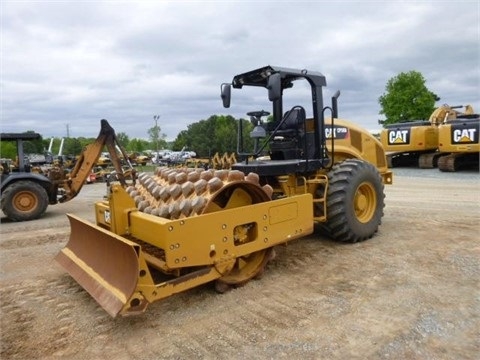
(411, 292)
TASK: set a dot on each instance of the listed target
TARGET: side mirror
(274, 87)
(335, 104)
(226, 90)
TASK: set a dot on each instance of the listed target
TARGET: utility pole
(157, 133)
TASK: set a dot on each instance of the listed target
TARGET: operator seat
(288, 140)
(293, 124)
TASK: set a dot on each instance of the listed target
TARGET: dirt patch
(409, 292)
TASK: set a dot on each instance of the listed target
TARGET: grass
(145, 168)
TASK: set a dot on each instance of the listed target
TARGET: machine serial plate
(106, 216)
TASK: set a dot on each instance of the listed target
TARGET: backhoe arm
(89, 157)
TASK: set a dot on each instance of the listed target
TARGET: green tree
(123, 139)
(74, 146)
(157, 138)
(199, 137)
(57, 142)
(8, 150)
(46, 143)
(33, 146)
(29, 147)
(406, 99)
(138, 145)
(216, 134)
(225, 134)
(180, 141)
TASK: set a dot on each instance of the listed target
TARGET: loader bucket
(103, 263)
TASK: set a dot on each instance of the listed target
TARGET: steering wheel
(258, 114)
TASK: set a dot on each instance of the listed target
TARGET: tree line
(406, 98)
(218, 133)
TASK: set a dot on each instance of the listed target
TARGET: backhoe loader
(179, 228)
(25, 195)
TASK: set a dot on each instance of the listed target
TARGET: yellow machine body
(461, 136)
(405, 139)
(188, 251)
(179, 228)
(458, 144)
(132, 257)
(351, 141)
(416, 142)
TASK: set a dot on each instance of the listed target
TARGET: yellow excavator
(458, 143)
(416, 143)
(179, 228)
(25, 194)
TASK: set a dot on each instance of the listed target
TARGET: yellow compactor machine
(176, 229)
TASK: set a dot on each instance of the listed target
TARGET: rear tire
(24, 200)
(355, 201)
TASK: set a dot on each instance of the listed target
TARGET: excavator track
(447, 163)
(458, 161)
(429, 160)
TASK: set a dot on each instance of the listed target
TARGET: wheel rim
(365, 202)
(232, 196)
(25, 201)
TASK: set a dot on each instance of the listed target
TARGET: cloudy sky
(67, 64)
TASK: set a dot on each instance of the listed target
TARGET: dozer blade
(103, 263)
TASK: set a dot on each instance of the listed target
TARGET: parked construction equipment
(458, 144)
(25, 195)
(416, 143)
(179, 228)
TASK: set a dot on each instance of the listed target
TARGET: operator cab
(23, 163)
(294, 144)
